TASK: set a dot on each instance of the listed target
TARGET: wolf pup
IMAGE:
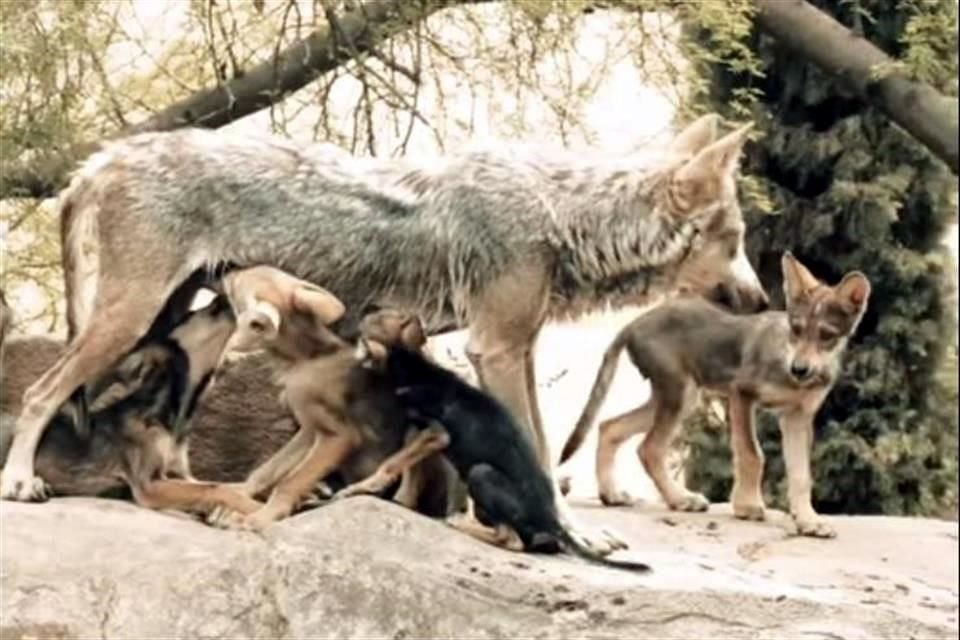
(783, 360)
(138, 441)
(349, 418)
(512, 496)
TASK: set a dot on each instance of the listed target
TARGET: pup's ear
(370, 352)
(261, 320)
(697, 135)
(797, 279)
(318, 302)
(412, 334)
(855, 289)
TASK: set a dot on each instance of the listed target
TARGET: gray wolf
(786, 361)
(136, 440)
(497, 242)
(512, 495)
(348, 416)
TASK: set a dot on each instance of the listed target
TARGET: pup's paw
(23, 487)
(224, 518)
(814, 528)
(603, 542)
(690, 501)
(749, 511)
(616, 498)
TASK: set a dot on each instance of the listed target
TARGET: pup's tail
(597, 395)
(571, 545)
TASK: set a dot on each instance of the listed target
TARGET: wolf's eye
(796, 328)
(827, 335)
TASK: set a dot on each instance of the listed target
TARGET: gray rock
(362, 568)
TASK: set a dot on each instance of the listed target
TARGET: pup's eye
(257, 326)
(796, 329)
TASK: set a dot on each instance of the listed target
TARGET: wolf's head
(822, 318)
(279, 313)
(703, 190)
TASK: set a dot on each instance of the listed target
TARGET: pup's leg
(500, 535)
(613, 433)
(280, 464)
(796, 429)
(116, 324)
(187, 495)
(747, 494)
(675, 397)
(327, 453)
(432, 439)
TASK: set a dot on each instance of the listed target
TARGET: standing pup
(349, 418)
(513, 498)
(140, 424)
(783, 360)
(498, 242)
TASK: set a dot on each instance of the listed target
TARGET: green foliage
(852, 191)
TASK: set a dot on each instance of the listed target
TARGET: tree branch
(267, 83)
(921, 110)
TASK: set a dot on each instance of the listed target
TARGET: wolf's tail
(571, 545)
(597, 395)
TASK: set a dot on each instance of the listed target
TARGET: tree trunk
(354, 32)
(925, 113)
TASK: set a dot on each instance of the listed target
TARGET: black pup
(511, 493)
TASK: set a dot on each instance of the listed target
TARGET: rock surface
(81, 568)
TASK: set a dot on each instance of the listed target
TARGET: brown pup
(349, 417)
(786, 361)
(140, 423)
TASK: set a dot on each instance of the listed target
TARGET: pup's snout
(800, 370)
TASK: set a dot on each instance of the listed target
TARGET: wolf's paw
(749, 511)
(690, 501)
(617, 498)
(23, 487)
(224, 518)
(814, 528)
(564, 483)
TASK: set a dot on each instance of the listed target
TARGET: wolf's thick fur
(786, 361)
(512, 495)
(495, 241)
(138, 441)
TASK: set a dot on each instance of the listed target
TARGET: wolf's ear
(855, 289)
(261, 320)
(716, 160)
(319, 303)
(697, 135)
(797, 279)
(412, 334)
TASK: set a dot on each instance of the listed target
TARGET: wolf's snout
(800, 370)
(741, 299)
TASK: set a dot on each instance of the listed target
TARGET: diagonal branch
(925, 113)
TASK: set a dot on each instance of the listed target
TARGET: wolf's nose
(800, 370)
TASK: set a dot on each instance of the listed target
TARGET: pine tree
(844, 188)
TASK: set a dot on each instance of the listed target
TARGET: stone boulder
(364, 568)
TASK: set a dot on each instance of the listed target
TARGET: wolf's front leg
(796, 429)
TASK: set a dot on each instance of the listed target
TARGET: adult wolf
(497, 242)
